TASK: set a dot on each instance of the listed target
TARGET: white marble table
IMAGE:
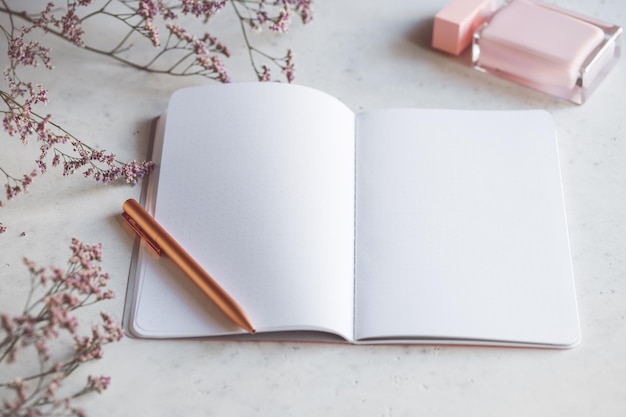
(370, 55)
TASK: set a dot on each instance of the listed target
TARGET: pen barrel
(187, 264)
(206, 284)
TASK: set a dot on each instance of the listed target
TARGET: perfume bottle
(532, 43)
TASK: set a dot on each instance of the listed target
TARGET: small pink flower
(99, 383)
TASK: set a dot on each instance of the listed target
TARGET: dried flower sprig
(192, 54)
(19, 104)
(21, 120)
(179, 52)
(15, 186)
(47, 323)
(277, 17)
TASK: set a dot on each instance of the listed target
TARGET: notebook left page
(256, 182)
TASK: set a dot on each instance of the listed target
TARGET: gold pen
(147, 227)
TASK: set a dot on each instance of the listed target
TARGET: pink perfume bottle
(532, 43)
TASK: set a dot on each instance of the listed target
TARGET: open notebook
(388, 226)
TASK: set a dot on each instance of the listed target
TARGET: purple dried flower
(304, 8)
(289, 68)
(282, 22)
(265, 74)
(49, 313)
(98, 384)
(70, 25)
(202, 8)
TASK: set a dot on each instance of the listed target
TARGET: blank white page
(256, 181)
(461, 229)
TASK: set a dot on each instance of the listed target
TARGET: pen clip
(141, 233)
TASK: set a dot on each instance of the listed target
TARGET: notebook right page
(461, 230)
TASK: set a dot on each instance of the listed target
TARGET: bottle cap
(455, 25)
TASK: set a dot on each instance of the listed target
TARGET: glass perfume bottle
(532, 43)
